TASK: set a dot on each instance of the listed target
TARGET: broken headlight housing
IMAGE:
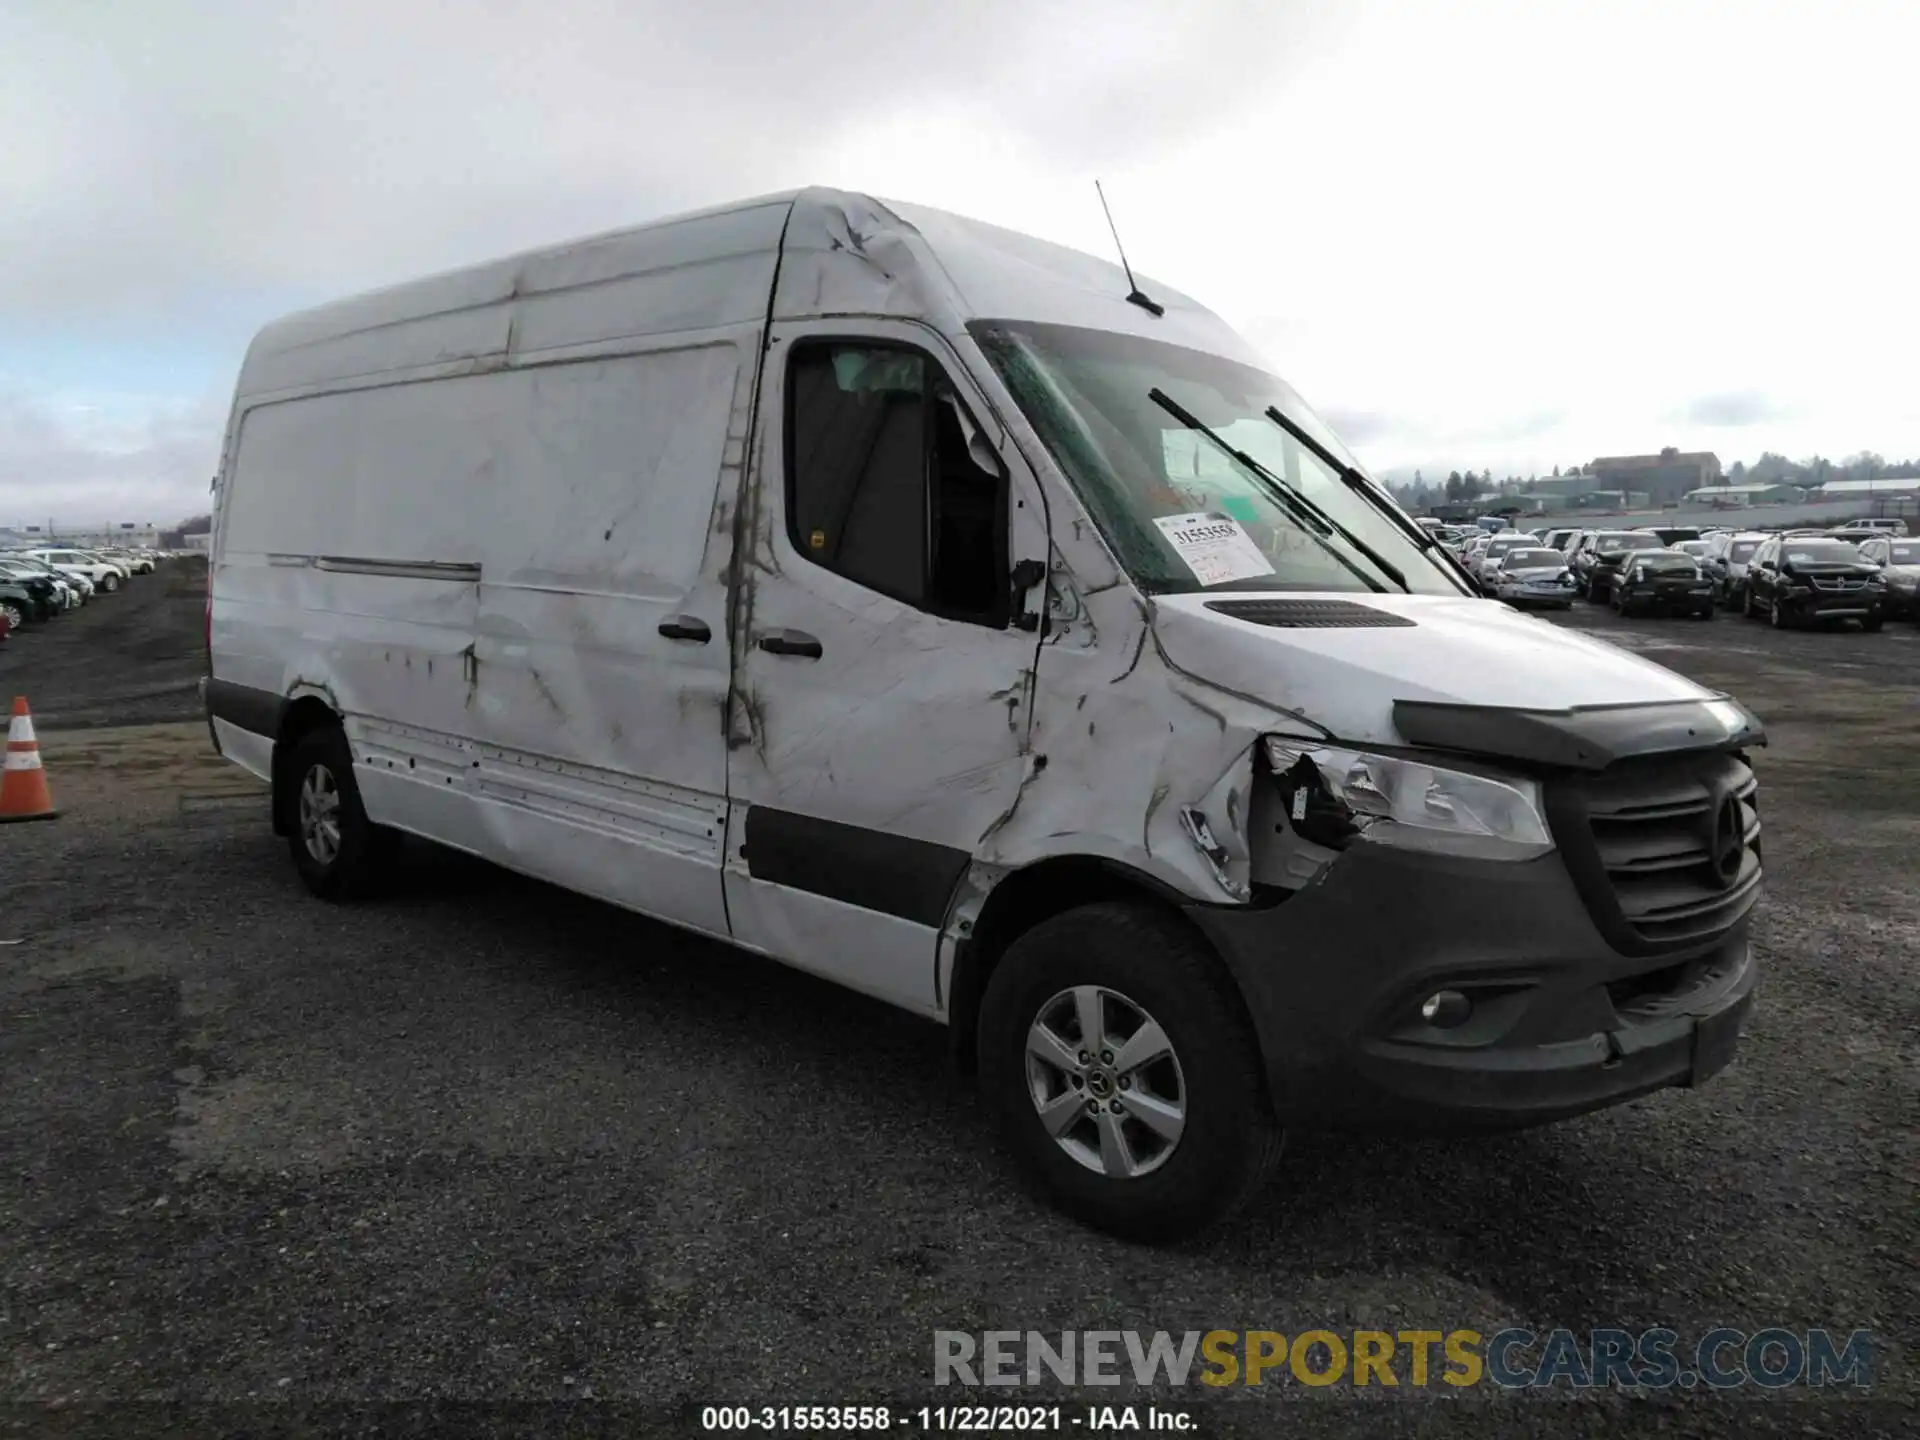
(1332, 796)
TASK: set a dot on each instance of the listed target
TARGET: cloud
(1398, 199)
(1734, 408)
(135, 459)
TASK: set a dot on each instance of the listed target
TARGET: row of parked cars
(38, 585)
(1867, 570)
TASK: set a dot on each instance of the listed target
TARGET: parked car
(106, 575)
(1726, 564)
(1604, 553)
(1497, 546)
(133, 561)
(1859, 529)
(1674, 534)
(1696, 549)
(683, 689)
(50, 593)
(1559, 539)
(1899, 562)
(1530, 576)
(1661, 581)
(1800, 580)
(79, 587)
(18, 604)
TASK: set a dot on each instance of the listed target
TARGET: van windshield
(1180, 512)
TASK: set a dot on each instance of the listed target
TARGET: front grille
(1837, 584)
(1639, 840)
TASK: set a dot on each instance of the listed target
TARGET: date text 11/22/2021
(953, 1419)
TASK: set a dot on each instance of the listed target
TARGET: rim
(320, 814)
(1105, 1082)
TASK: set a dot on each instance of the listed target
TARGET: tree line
(1769, 469)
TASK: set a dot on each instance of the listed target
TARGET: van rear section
(898, 597)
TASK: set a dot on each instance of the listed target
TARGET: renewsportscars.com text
(1511, 1359)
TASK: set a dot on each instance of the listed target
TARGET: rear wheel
(110, 582)
(1124, 1074)
(339, 852)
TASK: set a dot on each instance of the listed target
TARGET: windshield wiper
(1305, 513)
(1360, 486)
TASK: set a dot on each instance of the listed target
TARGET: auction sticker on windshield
(1213, 546)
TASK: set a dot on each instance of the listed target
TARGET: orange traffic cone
(23, 784)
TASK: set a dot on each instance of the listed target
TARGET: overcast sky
(1473, 234)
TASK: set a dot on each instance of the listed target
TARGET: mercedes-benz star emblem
(1728, 843)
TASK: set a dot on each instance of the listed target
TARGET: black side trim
(1589, 737)
(1306, 614)
(255, 711)
(461, 570)
(913, 879)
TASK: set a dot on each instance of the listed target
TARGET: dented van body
(889, 594)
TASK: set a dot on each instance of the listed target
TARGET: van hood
(1345, 661)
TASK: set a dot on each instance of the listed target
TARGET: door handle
(685, 627)
(791, 642)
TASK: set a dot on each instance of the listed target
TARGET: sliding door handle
(686, 627)
(791, 642)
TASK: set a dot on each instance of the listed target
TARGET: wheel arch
(1030, 895)
(299, 718)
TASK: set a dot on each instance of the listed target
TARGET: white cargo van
(919, 604)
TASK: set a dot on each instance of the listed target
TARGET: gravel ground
(487, 1158)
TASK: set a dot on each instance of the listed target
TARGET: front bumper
(1670, 599)
(1563, 1023)
(1817, 608)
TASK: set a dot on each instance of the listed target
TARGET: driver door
(883, 680)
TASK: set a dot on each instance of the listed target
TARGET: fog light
(1446, 1009)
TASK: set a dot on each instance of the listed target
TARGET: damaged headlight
(1333, 796)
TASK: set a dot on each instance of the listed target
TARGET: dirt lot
(485, 1144)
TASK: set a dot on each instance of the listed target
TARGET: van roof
(815, 251)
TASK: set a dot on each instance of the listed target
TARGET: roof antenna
(1138, 296)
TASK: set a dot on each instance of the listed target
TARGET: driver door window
(889, 483)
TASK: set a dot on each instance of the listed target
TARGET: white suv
(105, 574)
(1861, 529)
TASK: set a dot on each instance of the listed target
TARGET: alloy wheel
(320, 814)
(1105, 1082)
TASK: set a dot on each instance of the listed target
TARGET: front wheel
(16, 617)
(1873, 623)
(1776, 616)
(1124, 1074)
(110, 582)
(339, 852)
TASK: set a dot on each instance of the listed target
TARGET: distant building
(1860, 489)
(1663, 478)
(82, 537)
(1740, 495)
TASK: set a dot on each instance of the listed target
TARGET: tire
(110, 582)
(1145, 963)
(1746, 605)
(1873, 623)
(1704, 613)
(352, 857)
(1776, 617)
